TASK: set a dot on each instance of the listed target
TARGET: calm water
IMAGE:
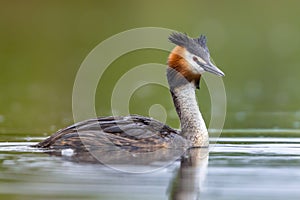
(236, 168)
(256, 44)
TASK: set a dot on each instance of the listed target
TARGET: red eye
(195, 58)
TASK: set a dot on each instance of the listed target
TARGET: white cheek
(194, 66)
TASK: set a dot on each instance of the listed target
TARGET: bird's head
(191, 57)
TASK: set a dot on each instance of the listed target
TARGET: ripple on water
(238, 168)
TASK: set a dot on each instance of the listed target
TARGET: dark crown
(196, 46)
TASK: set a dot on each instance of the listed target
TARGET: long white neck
(193, 127)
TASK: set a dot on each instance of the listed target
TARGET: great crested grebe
(187, 61)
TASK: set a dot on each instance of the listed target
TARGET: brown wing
(130, 132)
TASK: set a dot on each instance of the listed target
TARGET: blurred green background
(42, 44)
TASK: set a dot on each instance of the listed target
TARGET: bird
(189, 59)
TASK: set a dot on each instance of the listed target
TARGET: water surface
(236, 168)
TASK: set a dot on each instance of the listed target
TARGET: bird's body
(188, 60)
(132, 133)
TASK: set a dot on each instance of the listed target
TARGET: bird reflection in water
(191, 175)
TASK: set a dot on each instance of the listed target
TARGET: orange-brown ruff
(134, 133)
(177, 62)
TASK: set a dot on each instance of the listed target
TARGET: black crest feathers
(195, 46)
